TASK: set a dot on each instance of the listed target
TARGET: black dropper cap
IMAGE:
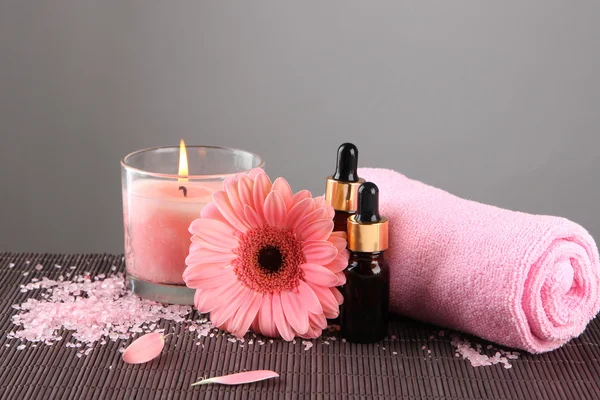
(347, 163)
(368, 203)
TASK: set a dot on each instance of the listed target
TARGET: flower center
(269, 260)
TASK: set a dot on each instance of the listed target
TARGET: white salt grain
(57, 266)
(394, 352)
(11, 265)
(25, 273)
(464, 348)
(307, 344)
(20, 347)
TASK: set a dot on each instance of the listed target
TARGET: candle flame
(183, 162)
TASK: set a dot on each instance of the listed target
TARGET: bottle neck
(366, 257)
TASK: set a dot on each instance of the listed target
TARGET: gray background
(494, 101)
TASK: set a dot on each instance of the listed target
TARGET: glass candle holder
(159, 204)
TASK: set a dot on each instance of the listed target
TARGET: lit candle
(158, 209)
(160, 213)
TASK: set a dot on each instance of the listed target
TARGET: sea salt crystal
(7, 345)
(113, 268)
(260, 342)
(27, 261)
(11, 265)
(72, 267)
(39, 267)
(57, 266)
(464, 348)
(25, 273)
(20, 347)
(326, 342)
(344, 340)
(307, 344)
(250, 342)
(93, 310)
(394, 352)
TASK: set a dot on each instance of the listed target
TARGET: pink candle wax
(157, 239)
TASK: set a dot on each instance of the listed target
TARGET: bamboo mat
(398, 367)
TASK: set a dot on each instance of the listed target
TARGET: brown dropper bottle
(364, 317)
(342, 187)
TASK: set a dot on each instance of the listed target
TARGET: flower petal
(206, 256)
(341, 278)
(282, 187)
(275, 210)
(321, 253)
(199, 243)
(301, 195)
(309, 298)
(299, 211)
(266, 322)
(338, 295)
(338, 242)
(328, 301)
(339, 263)
(215, 232)
(295, 312)
(245, 186)
(318, 320)
(254, 172)
(210, 299)
(210, 211)
(309, 218)
(279, 317)
(254, 220)
(320, 202)
(208, 281)
(318, 230)
(236, 299)
(240, 324)
(144, 348)
(222, 201)
(203, 271)
(262, 187)
(318, 274)
(231, 188)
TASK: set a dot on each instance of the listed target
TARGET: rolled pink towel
(525, 281)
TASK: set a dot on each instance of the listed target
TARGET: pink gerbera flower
(266, 258)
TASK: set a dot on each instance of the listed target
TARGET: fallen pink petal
(239, 378)
(145, 348)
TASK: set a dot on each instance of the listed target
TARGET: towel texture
(525, 281)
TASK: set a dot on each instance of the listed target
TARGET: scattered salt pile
(474, 354)
(94, 310)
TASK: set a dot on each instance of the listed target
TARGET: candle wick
(184, 190)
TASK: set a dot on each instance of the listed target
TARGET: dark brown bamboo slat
(397, 367)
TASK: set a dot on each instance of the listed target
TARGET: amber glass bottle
(342, 187)
(364, 317)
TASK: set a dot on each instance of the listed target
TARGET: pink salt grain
(93, 310)
(464, 348)
(39, 267)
